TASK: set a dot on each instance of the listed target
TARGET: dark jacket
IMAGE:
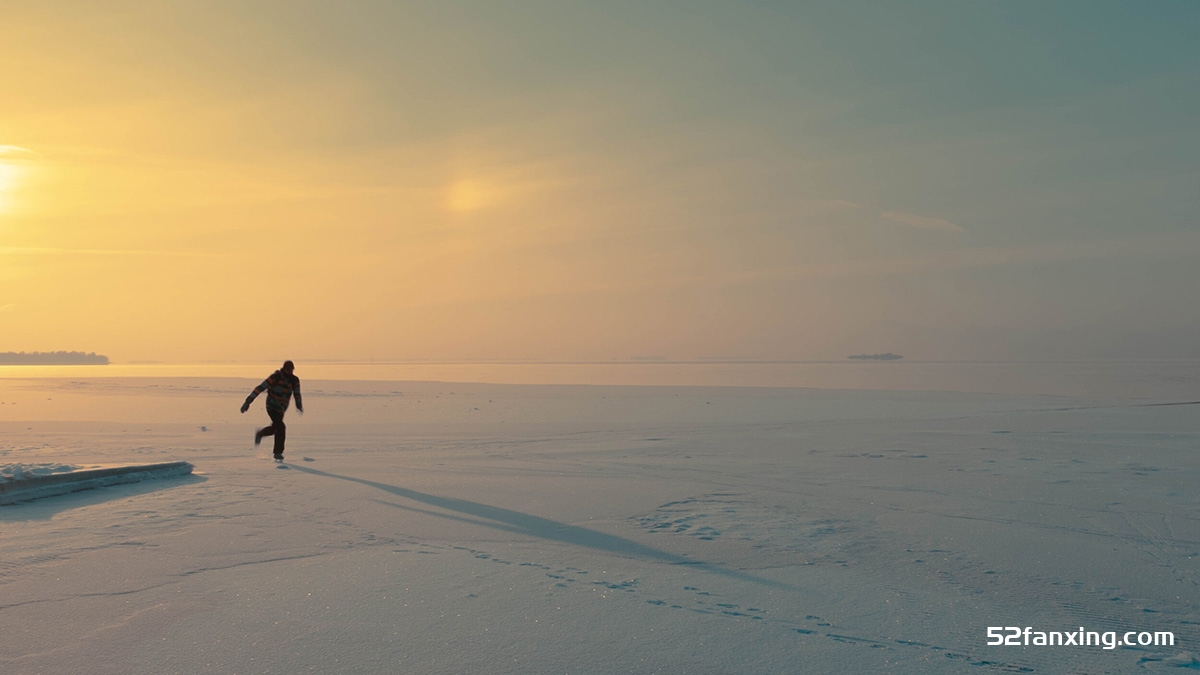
(279, 387)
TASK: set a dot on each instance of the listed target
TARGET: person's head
(288, 367)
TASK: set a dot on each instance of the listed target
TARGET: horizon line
(639, 362)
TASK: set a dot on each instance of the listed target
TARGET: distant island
(876, 357)
(52, 359)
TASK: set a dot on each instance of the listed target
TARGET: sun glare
(11, 159)
(471, 195)
(8, 184)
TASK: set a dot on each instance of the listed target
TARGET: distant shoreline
(52, 359)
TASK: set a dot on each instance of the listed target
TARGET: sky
(561, 180)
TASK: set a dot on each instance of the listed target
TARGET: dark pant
(277, 429)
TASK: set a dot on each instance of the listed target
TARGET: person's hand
(300, 410)
(245, 406)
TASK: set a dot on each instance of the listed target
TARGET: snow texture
(435, 528)
(18, 472)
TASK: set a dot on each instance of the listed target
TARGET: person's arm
(296, 392)
(254, 394)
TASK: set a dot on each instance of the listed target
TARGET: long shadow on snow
(544, 528)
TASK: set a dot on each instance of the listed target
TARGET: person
(280, 386)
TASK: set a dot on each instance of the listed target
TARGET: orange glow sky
(593, 181)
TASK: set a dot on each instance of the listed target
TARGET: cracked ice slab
(50, 485)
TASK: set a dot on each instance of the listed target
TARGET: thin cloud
(922, 222)
(1165, 246)
(836, 204)
(32, 250)
(15, 152)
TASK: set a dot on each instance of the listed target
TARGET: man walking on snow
(279, 385)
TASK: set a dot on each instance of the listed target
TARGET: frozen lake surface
(448, 528)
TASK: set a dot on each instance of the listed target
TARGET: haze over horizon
(572, 181)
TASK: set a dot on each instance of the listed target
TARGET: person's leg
(280, 435)
(279, 430)
(268, 430)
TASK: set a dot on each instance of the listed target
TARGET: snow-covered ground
(458, 528)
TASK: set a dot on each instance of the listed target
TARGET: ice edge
(63, 483)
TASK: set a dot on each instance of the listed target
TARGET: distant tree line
(52, 359)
